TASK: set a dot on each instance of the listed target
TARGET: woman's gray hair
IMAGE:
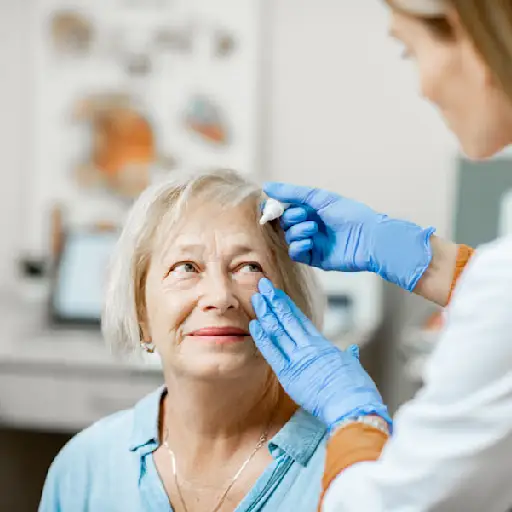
(160, 207)
(429, 8)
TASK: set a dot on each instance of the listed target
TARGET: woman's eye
(184, 268)
(247, 268)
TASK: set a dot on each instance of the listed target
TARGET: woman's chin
(221, 365)
(481, 148)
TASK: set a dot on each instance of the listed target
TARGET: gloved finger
(300, 251)
(293, 215)
(301, 231)
(307, 324)
(354, 350)
(270, 324)
(315, 197)
(283, 314)
(272, 352)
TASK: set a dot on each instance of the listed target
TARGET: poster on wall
(129, 90)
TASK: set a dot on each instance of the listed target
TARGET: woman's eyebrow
(176, 249)
(241, 249)
(186, 247)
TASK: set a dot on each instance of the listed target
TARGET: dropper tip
(264, 219)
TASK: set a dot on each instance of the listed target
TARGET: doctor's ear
(453, 25)
(471, 56)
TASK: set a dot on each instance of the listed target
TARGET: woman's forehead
(207, 225)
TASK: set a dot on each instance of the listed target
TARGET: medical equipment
(272, 210)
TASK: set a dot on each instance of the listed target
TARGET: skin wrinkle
(221, 264)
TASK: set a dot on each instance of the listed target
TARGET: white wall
(15, 135)
(346, 114)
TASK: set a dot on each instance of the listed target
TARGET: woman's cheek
(248, 281)
(172, 283)
(246, 287)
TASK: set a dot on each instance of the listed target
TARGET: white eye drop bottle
(272, 210)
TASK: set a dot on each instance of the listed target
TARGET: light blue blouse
(109, 467)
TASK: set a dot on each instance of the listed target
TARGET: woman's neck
(208, 420)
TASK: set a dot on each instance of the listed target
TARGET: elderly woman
(221, 434)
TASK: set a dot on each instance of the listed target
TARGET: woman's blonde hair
(154, 213)
(488, 23)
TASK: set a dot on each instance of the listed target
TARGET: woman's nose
(218, 293)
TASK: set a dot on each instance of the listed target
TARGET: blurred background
(100, 98)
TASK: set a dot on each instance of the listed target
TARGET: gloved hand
(331, 232)
(328, 382)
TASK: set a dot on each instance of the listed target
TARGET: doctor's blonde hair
(488, 23)
(156, 211)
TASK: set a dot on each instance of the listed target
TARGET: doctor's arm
(439, 279)
(359, 442)
(332, 232)
(326, 381)
(452, 443)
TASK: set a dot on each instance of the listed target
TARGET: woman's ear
(144, 328)
(145, 334)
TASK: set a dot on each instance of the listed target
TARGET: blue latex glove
(328, 382)
(331, 232)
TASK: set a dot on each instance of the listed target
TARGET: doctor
(451, 449)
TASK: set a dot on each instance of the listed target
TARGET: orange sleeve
(356, 442)
(360, 442)
(464, 254)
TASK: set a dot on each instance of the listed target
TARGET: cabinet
(63, 380)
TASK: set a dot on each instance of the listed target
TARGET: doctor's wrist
(436, 283)
(354, 443)
(401, 251)
(370, 420)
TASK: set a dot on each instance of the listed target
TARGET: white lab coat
(452, 445)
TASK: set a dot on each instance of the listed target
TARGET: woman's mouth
(219, 334)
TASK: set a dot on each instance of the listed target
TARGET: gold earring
(148, 346)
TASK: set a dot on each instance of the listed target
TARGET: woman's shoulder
(106, 439)
(106, 433)
(73, 470)
(119, 430)
(90, 455)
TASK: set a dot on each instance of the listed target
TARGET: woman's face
(199, 287)
(454, 78)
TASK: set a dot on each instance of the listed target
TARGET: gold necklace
(261, 441)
